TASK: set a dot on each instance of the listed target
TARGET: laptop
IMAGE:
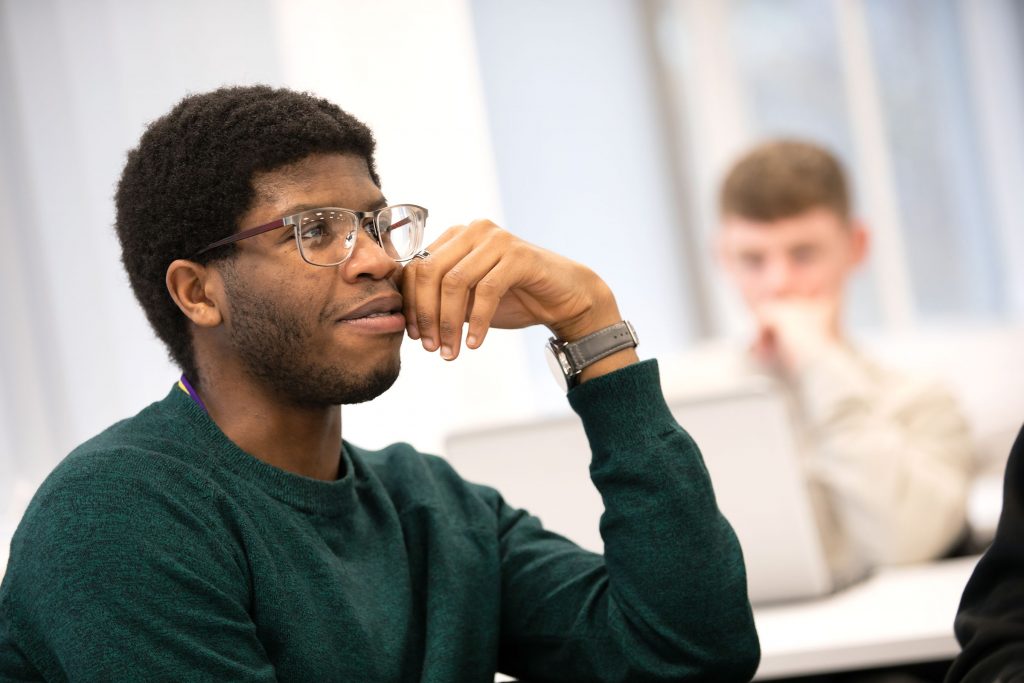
(746, 438)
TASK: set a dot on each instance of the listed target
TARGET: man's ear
(860, 241)
(197, 290)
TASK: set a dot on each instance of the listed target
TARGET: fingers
(408, 286)
(456, 285)
(438, 289)
(487, 295)
(483, 275)
(409, 275)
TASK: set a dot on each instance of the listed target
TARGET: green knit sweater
(160, 551)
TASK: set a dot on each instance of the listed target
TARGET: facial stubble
(276, 345)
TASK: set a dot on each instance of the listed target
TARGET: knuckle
(485, 230)
(453, 280)
(505, 242)
(486, 288)
(424, 320)
(447, 328)
(517, 246)
(424, 271)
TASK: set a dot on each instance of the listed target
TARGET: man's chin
(333, 385)
(380, 380)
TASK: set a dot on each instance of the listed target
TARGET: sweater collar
(309, 495)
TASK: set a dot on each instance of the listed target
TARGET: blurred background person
(887, 457)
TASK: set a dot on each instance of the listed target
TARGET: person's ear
(860, 242)
(197, 290)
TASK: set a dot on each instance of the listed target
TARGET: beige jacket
(887, 456)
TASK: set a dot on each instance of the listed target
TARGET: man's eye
(804, 254)
(313, 231)
(751, 261)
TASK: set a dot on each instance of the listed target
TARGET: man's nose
(779, 278)
(368, 257)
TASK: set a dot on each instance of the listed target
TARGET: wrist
(614, 362)
(599, 353)
(601, 312)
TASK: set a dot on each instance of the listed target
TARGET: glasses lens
(326, 236)
(401, 230)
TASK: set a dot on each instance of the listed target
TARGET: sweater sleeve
(14, 665)
(990, 622)
(668, 600)
(892, 457)
(121, 571)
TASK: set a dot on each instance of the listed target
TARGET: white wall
(83, 79)
(580, 147)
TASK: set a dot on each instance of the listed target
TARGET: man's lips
(382, 315)
(380, 306)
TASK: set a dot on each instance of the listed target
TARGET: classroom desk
(901, 615)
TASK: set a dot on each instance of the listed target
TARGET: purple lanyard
(187, 388)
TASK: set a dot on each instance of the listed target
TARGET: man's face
(809, 255)
(296, 327)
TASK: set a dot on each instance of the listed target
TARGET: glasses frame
(367, 220)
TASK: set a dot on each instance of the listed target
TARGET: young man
(227, 532)
(887, 457)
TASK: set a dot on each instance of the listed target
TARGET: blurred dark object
(990, 624)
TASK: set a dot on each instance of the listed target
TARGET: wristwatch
(567, 359)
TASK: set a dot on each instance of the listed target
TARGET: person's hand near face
(792, 331)
(791, 273)
(485, 276)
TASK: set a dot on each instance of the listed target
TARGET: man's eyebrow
(298, 208)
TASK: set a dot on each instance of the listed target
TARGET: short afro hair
(783, 178)
(190, 180)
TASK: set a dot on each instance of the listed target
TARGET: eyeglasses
(326, 237)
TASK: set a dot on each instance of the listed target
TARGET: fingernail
(446, 352)
(414, 332)
(471, 340)
(428, 344)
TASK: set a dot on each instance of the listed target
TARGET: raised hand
(488, 277)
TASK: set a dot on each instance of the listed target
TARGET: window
(919, 99)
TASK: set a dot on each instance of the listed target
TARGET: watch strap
(600, 344)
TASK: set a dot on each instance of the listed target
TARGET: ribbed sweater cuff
(621, 407)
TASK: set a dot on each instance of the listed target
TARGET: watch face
(555, 363)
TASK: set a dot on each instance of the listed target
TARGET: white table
(902, 615)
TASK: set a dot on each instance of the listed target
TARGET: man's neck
(301, 440)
